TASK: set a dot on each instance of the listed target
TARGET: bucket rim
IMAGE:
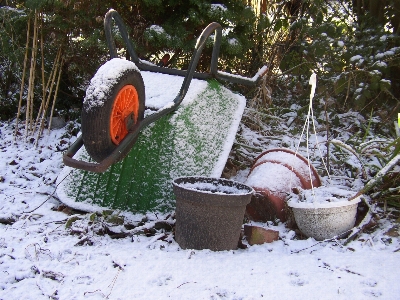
(235, 185)
(308, 205)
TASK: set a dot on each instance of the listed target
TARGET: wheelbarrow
(119, 168)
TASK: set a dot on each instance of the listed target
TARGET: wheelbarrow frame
(188, 75)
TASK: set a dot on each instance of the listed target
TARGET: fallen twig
(50, 196)
(96, 291)
(185, 283)
(113, 282)
(320, 242)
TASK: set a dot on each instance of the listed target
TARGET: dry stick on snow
(334, 239)
(50, 196)
(111, 284)
(185, 283)
(378, 177)
(23, 77)
(96, 291)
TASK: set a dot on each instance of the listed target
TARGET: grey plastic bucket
(209, 212)
(323, 223)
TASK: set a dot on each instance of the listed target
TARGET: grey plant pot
(325, 221)
(209, 212)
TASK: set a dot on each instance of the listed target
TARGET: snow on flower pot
(325, 212)
(273, 176)
(209, 212)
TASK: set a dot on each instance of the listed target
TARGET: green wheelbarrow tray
(191, 135)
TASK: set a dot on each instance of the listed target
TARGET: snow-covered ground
(42, 258)
(50, 251)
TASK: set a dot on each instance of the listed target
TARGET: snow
(274, 177)
(233, 42)
(157, 29)
(216, 7)
(219, 187)
(161, 89)
(40, 258)
(323, 196)
(289, 159)
(384, 54)
(12, 9)
(356, 57)
(259, 73)
(105, 78)
(161, 92)
(381, 64)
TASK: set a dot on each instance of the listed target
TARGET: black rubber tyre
(96, 118)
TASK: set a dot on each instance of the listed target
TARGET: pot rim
(247, 190)
(307, 205)
(296, 154)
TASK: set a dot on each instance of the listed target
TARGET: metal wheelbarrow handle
(129, 140)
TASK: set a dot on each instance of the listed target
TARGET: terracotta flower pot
(274, 174)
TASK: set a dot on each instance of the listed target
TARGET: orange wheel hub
(125, 109)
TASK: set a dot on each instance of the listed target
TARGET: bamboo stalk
(51, 82)
(55, 93)
(43, 104)
(43, 77)
(42, 54)
(327, 139)
(35, 50)
(29, 106)
(23, 77)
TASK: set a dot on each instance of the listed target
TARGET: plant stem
(378, 177)
(23, 77)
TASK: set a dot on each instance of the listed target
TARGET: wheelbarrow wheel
(108, 115)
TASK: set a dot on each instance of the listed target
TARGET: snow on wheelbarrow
(187, 127)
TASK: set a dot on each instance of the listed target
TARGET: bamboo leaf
(71, 221)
